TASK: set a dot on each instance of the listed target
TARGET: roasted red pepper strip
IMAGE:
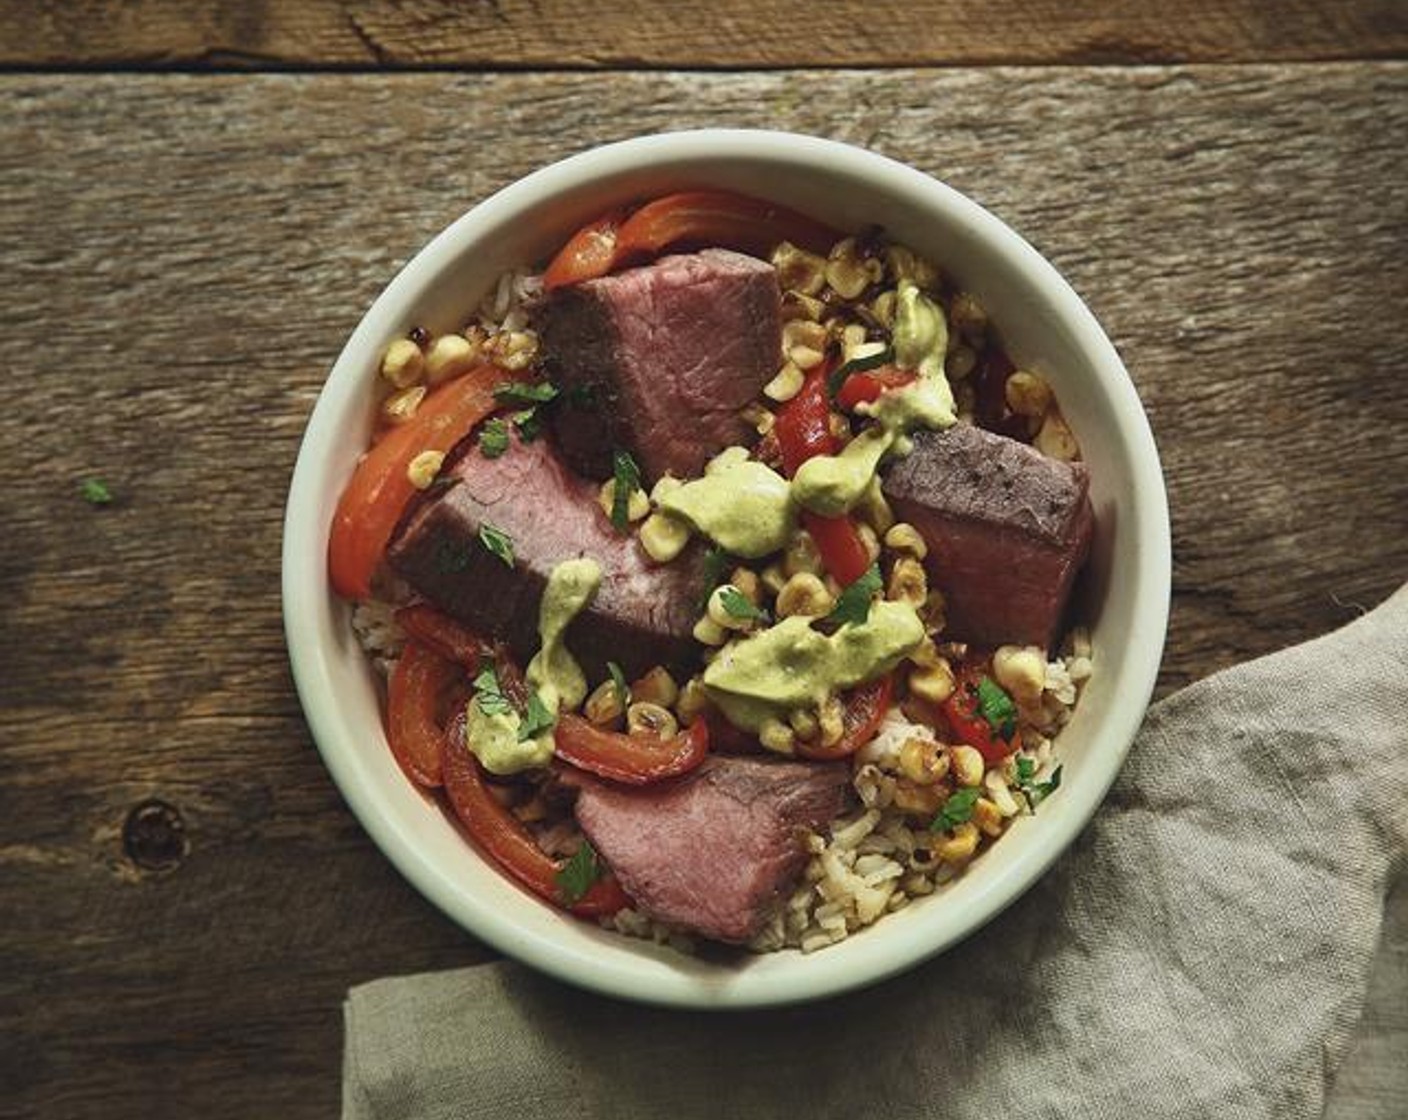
(869, 384)
(719, 218)
(504, 838)
(591, 252)
(968, 724)
(633, 759)
(444, 635)
(865, 707)
(415, 699)
(803, 430)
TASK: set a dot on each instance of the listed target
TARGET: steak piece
(641, 616)
(1007, 530)
(715, 850)
(659, 360)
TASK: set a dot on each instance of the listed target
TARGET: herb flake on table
(497, 542)
(95, 492)
(577, 875)
(853, 604)
(957, 810)
(627, 481)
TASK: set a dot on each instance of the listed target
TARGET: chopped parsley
(838, 376)
(528, 424)
(525, 392)
(618, 678)
(493, 438)
(737, 605)
(1036, 792)
(489, 693)
(853, 605)
(538, 718)
(95, 492)
(498, 542)
(997, 708)
(716, 562)
(957, 810)
(627, 476)
(577, 875)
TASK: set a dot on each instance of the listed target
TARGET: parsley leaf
(618, 678)
(957, 810)
(838, 376)
(1026, 770)
(525, 392)
(493, 438)
(736, 604)
(95, 492)
(627, 476)
(577, 875)
(853, 605)
(716, 562)
(489, 694)
(498, 542)
(528, 423)
(1036, 792)
(997, 707)
(537, 718)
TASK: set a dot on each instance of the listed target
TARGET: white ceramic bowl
(1044, 325)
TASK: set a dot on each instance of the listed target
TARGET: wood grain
(562, 34)
(186, 255)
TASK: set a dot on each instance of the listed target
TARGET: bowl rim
(305, 537)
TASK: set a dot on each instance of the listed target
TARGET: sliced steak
(659, 360)
(1007, 530)
(715, 850)
(640, 617)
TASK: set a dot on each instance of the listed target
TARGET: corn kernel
(773, 579)
(710, 633)
(796, 306)
(799, 270)
(421, 470)
(966, 764)
(604, 706)
(917, 799)
(831, 717)
(923, 761)
(907, 583)
(513, 350)
(1027, 394)
(401, 405)
(777, 736)
(656, 687)
(786, 384)
(1056, 440)
(719, 613)
(986, 816)
(650, 719)
(960, 845)
(805, 357)
(999, 793)
(450, 355)
(804, 723)
(1021, 670)
(904, 537)
(804, 594)
(663, 537)
(847, 272)
(637, 505)
(693, 701)
(403, 364)
(933, 683)
(801, 555)
(883, 308)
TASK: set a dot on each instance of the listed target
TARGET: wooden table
(186, 898)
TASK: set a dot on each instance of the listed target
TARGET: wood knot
(154, 836)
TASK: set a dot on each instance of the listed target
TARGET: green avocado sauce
(743, 506)
(833, 484)
(791, 665)
(553, 674)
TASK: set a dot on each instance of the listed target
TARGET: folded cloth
(1202, 950)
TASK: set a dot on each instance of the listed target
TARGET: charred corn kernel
(917, 799)
(967, 316)
(656, 687)
(854, 342)
(663, 537)
(831, 718)
(999, 793)
(966, 765)
(959, 845)
(605, 706)
(803, 332)
(637, 505)
(904, 537)
(923, 761)
(799, 270)
(450, 355)
(777, 736)
(761, 419)
(1055, 439)
(907, 582)
(804, 594)
(796, 306)
(514, 350)
(926, 654)
(959, 364)
(773, 579)
(848, 273)
(933, 683)
(934, 613)
(804, 723)
(709, 633)
(801, 555)
(693, 701)
(883, 308)
(719, 614)
(401, 405)
(874, 509)
(424, 467)
(1027, 394)
(903, 263)
(650, 719)
(839, 427)
(986, 816)
(403, 363)
(728, 457)
(871, 539)
(786, 384)
(1021, 670)
(747, 582)
(805, 357)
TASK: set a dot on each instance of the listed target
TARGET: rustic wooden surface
(184, 257)
(557, 34)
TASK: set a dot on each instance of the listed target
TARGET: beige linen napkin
(1202, 950)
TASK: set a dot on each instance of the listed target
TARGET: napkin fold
(1203, 949)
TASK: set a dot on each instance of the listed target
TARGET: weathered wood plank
(185, 257)
(554, 34)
